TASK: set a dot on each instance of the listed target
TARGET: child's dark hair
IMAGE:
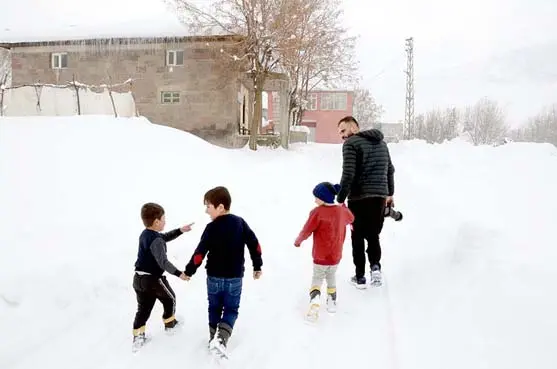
(218, 195)
(151, 212)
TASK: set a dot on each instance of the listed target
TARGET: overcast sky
(503, 49)
(464, 50)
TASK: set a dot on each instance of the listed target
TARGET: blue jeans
(224, 300)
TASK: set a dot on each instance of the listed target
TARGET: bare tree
(5, 75)
(267, 30)
(5, 66)
(436, 126)
(484, 122)
(419, 127)
(540, 128)
(365, 109)
(323, 54)
(452, 120)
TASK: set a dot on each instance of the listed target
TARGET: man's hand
(257, 275)
(186, 228)
(184, 277)
(390, 202)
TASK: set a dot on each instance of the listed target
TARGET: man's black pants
(368, 223)
(148, 289)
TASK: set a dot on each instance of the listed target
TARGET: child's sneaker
(312, 314)
(376, 277)
(331, 303)
(360, 282)
(138, 342)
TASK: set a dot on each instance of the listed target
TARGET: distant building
(325, 109)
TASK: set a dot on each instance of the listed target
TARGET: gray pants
(324, 272)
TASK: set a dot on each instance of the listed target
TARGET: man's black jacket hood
(374, 135)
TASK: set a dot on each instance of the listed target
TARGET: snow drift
(469, 271)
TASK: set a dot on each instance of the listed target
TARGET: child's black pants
(148, 289)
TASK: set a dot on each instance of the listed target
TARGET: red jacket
(328, 225)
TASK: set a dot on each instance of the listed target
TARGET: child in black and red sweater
(224, 241)
(327, 222)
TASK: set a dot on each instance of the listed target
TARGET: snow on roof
(42, 21)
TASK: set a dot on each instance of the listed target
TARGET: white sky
(459, 48)
(463, 50)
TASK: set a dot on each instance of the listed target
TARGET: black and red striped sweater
(224, 241)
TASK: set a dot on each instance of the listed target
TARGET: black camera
(390, 212)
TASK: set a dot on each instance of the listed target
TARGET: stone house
(184, 82)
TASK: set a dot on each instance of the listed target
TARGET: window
(59, 60)
(175, 57)
(334, 101)
(312, 104)
(170, 97)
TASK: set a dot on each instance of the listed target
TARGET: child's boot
(212, 332)
(171, 324)
(220, 341)
(331, 300)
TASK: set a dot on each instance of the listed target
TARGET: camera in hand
(390, 212)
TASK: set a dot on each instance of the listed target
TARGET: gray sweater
(367, 169)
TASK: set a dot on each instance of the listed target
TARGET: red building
(325, 109)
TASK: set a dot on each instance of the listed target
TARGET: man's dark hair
(151, 212)
(218, 195)
(348, 119)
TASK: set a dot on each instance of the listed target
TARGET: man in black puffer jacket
(368, 183)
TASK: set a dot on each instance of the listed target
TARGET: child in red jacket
(327, 222)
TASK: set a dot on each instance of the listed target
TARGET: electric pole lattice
(409, 113)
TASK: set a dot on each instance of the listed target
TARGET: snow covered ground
(470, 271)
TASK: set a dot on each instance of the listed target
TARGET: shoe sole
(362, 286)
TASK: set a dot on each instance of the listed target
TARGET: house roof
(35, 21)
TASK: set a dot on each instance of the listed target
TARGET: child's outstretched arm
(199, 254)
(171, 235)
(309, 228)
(158, 250)
(254, 247)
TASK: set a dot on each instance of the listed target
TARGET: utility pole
(409, 111)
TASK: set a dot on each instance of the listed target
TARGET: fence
(73, 98)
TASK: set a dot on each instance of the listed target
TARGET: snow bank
(55, 101)
(300, 129)
(470, 273)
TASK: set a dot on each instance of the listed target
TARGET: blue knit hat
(326, 192)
